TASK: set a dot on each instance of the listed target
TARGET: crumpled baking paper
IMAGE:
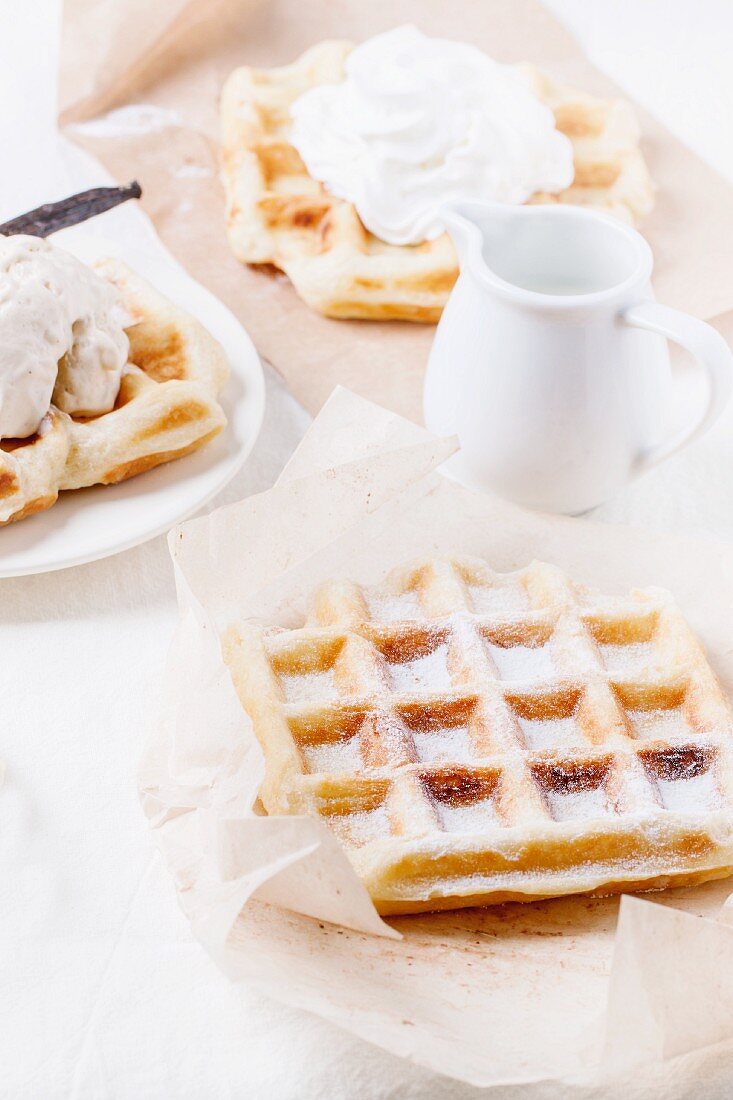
(601, 993)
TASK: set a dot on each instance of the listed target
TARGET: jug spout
(556, 250)
(475, 227)
(461, 228)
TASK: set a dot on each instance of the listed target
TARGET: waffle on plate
(278, 214)
(473, 737)
(167, 407)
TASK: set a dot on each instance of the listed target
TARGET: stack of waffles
(473, 737)
(277, 214)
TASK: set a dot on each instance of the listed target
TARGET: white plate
(92, 523)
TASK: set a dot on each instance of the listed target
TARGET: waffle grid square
(472, 736)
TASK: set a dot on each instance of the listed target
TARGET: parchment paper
(169, 60)
(521, 993)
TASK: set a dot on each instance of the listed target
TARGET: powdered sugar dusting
(499, 600)
(573, 805)
(627, 659)
(426, 673)
(337, 757)
(698, 793)
(308, 687)
(549, 733)
(395, 608)
(447, 745)
(663, 724)
(523, 662)
(362, 827)
(475, 817)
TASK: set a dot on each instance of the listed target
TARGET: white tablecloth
(104, 991)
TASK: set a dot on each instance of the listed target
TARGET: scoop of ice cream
(62, 336)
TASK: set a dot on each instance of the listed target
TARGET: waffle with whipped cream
(166, 407)
(474, 737)
(278, 215)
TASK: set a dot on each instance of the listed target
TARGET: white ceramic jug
(550, 361)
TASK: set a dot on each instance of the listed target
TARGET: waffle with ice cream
(101, 377)
(474, 737)
(384, 255)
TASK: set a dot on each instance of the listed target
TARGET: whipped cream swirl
(418, 122)
(62, 336)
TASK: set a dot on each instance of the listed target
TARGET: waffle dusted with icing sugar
(277, 214)
(166, 408)
(473, 737)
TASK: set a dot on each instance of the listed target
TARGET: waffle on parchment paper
(167, 407)
(278, 214)
(473, 737)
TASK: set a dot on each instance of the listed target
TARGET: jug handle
(712, 354)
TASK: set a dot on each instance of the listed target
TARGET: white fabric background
(104, 991)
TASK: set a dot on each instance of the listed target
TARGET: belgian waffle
(277, 214)
(474, 738)
(165, 409)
